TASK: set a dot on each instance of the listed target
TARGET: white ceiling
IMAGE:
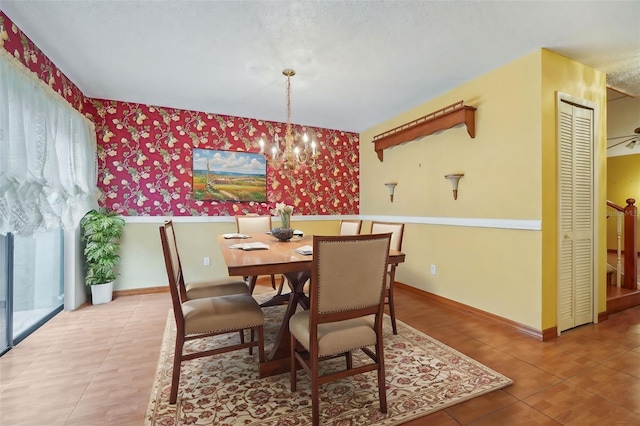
(358, 62)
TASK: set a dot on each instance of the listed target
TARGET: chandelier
(297, 151)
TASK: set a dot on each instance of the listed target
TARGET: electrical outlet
(433, 269)
(206, 261)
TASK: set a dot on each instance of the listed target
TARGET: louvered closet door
(576, 263)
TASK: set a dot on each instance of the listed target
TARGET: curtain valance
(48, 168)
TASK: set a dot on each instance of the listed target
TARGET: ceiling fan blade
(620, 137)
(634, 139)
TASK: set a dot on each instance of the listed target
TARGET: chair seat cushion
(215, 314)
(223, 287)
(336, 337)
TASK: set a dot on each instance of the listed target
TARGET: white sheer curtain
(47, 155)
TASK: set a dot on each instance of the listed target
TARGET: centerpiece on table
(284, 232)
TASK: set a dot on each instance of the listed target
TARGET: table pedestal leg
(278, 358)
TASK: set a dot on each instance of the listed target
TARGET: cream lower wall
(142, 264)
(475, 274)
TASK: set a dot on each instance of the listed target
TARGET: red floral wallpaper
(145, 162)
(145, 152)
(20, 47)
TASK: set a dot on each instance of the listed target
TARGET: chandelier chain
(288, 132)
(294, 154)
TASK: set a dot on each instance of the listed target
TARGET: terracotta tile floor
(95, 366)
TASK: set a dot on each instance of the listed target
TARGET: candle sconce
(454, 178)
(391, 186)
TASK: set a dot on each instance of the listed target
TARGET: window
(31, 289)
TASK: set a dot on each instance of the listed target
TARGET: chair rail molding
(522, 224)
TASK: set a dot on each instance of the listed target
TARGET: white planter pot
(101, 293)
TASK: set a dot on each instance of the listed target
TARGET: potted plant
(101, 231)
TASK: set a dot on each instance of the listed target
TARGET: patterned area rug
(422, 375)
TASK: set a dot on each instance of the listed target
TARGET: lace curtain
(48, 163)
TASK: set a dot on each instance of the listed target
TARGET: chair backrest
(350, 227)
(253, 224)
(174, 272)
(397, 229)
(348, 276)
(175, 256)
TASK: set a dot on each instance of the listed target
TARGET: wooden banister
(615, 206)
(630, 245)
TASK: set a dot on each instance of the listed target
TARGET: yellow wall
(505, 146)
(495, 270)
(509, 173)
(623, 181)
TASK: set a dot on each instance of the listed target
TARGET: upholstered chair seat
(223, 313)
(335, 337)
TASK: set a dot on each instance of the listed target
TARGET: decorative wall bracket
(454, 178)
(391, 186)
(442, 119)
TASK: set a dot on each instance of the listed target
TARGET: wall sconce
(391, 186)
(454, 178)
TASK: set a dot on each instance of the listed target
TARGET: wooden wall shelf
(442, 119)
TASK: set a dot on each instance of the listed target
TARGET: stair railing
(627, 220)
(619, 212)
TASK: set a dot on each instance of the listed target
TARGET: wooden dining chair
(347, 304)
(207, 317)
(397, 230)
(350, 227)
(252, 224)
(200, 289)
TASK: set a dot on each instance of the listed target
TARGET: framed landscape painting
(229, 176)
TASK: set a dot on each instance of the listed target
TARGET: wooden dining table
(280, 258)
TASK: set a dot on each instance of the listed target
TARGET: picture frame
(229, 176)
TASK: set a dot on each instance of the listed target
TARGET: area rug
(422, 376)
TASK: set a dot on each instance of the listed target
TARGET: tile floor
(95, 366)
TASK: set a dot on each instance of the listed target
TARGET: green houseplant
(101, 231)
